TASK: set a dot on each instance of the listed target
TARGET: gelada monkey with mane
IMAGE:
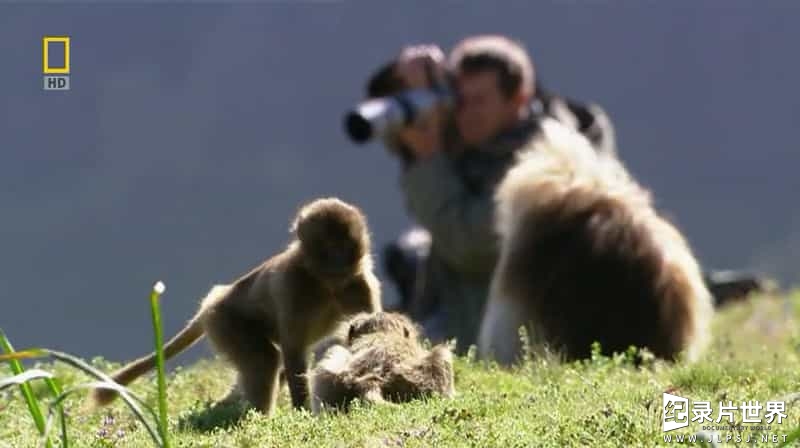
(380, 360)
(265, 322)
(584, 257)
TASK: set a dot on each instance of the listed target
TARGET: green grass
(755, 355)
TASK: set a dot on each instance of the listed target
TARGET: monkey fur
(381, 360)
(585, 257)
(265, 322)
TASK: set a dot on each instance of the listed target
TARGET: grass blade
(24, 377)
(25, 354)
(55, 390)
(25, 388)
(155, 294)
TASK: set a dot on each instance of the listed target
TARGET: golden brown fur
(585, 257)
(267, 319)
(380, 360)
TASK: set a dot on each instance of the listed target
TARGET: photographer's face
(483, 110)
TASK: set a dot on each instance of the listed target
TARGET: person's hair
(384, 82)
(502, 55)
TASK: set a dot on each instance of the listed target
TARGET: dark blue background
(192, 132)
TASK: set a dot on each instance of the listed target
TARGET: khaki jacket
(451, 196)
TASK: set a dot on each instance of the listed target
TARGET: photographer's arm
(459, 221)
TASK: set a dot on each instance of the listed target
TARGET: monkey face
(334, 258)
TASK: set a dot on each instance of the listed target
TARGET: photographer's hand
(415, 66)
(414, 62)
(424, 137)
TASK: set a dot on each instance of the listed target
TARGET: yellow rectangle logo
(46, 69)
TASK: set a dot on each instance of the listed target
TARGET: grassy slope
(600, 403)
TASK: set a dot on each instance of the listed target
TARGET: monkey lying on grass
(380, 360)
(267, 320)
(585, 257)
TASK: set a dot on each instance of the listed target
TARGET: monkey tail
(125, 375)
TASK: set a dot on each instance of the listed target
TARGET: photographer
(453, 158)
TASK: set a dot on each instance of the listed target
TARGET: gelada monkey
(381, 360)
(264, 322)
(584, 257)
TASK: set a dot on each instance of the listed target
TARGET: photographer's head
(492, 77)
(494, 81)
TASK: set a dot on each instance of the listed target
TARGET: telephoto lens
(376, 117)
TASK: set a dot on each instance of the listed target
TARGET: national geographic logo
(56, 77)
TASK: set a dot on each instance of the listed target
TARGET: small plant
(33, 405)
(158, 289)
(43, 424)
(597, 357)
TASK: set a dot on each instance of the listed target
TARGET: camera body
(377, 117)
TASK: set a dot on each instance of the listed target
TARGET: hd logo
(56, 77)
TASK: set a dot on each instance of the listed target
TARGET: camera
(379, 116)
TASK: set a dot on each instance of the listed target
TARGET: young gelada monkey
(381, 360)
(585, 257)
(267, 319)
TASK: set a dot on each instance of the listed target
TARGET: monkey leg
(281, 379)
(438, 368)
(259, 380)
(499, 332)
(294, 361)
(256, 360)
